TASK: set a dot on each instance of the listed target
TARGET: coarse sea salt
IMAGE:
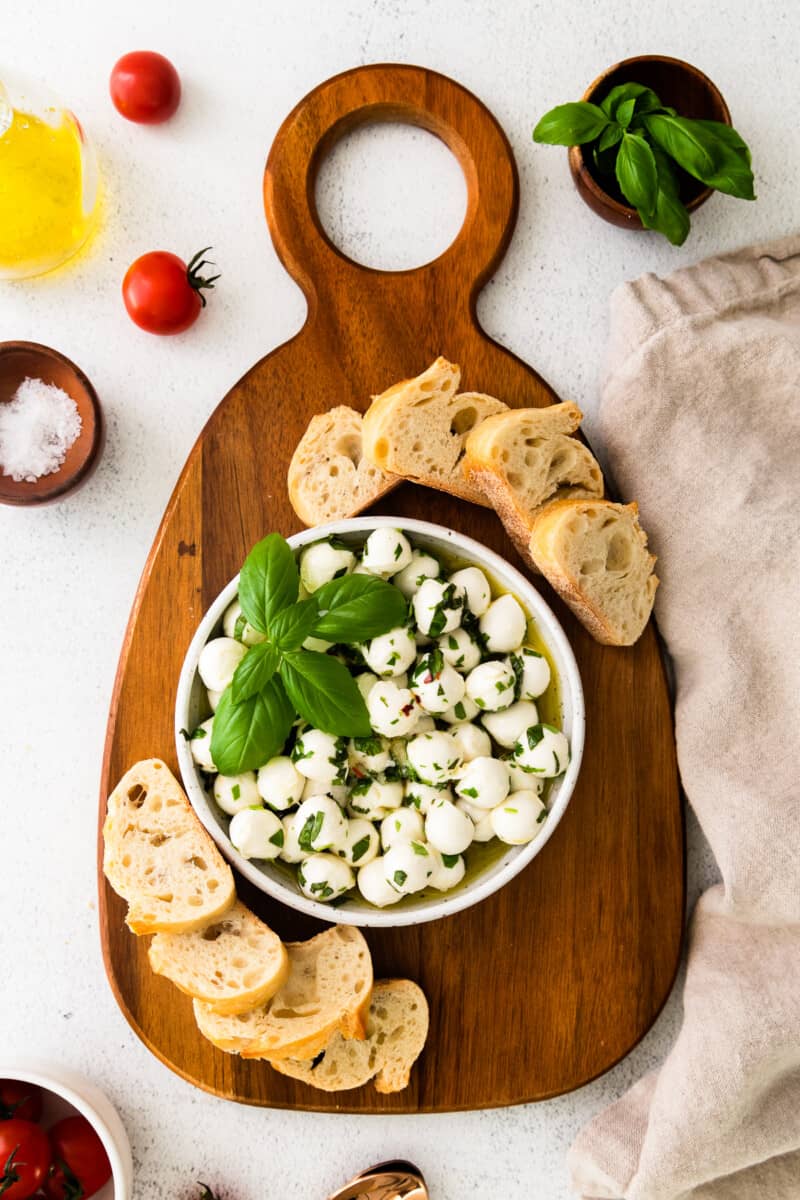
(37, 427)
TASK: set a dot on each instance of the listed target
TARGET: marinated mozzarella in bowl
(476, 708)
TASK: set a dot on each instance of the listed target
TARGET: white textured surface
(68, 573)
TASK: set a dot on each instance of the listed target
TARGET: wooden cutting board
(553, 979)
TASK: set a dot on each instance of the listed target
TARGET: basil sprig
(277, 680)
(643, 143)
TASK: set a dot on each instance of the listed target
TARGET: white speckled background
(68, 573)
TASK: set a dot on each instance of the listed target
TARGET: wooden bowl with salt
(29, 360)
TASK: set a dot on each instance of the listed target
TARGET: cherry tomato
(18, 1099)
(145, 87)
(164, 295)
(24, 1158)
(80, 1163)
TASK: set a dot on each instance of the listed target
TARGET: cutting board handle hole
(391, 196)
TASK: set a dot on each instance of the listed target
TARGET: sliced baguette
(158, 857)
(523, 458)
(328, 990)
(397, 1026)
(594, 553)
(329, 478)
(418, 428)
(234, 964)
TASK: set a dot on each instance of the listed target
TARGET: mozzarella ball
(213, 698)
(324, 877)
(386, 551)
(464, 710)
(291, 850)
(460, 650)
(365, 683)
(422, 566)
(533, 673)
(200, 745)
(481, 819)
(235, 792)
(256, 833)
(322, 824)
(437, 607)
(373, 798)
(320, 756)
(369, 754)
(484, 782)
(218, 661)
(435, 757)
(374, 886)
(475, 586)
(391, 653)
(392, 710)
(472, 741)
(447, 828)
(408, 866)
(235, 625)
(280, 784)
(508, 725)
(503, 625)
(491, 685)
(421, 795)
(523, 781)
(542, 750)
(448, 870)
(436, 685)
(362, 844)
(402, 825)
(323, 562)
(339, 791)
(519, 819)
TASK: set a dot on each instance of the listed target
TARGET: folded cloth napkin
(701, 418)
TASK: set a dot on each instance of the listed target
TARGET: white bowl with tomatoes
(60, 1136)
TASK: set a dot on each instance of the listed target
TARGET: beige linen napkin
(701, 418)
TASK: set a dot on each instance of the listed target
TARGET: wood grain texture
(550, 981)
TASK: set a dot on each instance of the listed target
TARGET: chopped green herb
(361, 787)
(311, 831)
(452, 642)
(472, 791)
(542, 816)
(460, 711)
(450, 860)
(400, 877)
(239, 627)
(198, 733)
(236, 792)
(398, 550)
(360, 848)
(277, 838)
(419, 849)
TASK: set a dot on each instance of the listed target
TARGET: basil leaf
(357, 607)
(645, 100)
(324, 693)
(715, 158)
(247, 735)
(290, 627)
(254, 671)
(670, 216)
(269, 581)
(571, 124)
(611, 135)
(636, 172)
(624, 113)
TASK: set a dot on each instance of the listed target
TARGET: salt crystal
(37, 427)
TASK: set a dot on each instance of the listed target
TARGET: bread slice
(418, 428)
(397, 1027)
(595, 555)
(158, 857)
(329, 478)
(234, 964)
(328, 990)
(522, 458)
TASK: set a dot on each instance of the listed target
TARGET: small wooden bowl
(20, 360)
(680, 86)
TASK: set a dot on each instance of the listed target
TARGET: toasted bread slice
(594, 553)
(234, 964)
(328, 990)
(158, 857)
(523, 458)
(418, 428)
(329, 478)
(397, 1026)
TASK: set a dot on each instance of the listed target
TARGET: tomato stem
(73, 1188)
(197, 283)
(10, 1174)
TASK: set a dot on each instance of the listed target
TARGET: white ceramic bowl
(67, 1093)
(192, 707)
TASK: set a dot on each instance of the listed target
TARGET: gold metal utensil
(395, 1180)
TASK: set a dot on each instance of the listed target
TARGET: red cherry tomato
(80, 1163)
(24, 1158)
(145, 87)
(19, 1099)
(164, 295)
